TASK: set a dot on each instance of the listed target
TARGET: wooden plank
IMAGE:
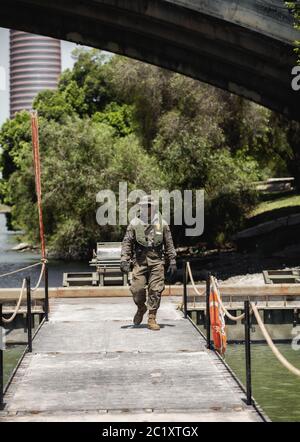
(148, 415)
(12, 294)
(240, 306)
(276, 290)
(132, 381)
(23, 310)
(105, 364)
(256, 290)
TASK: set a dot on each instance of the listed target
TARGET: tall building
(35, 65)
(4, 75)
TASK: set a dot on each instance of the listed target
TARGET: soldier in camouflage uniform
(146, 244)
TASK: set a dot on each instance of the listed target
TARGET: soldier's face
(146, 213)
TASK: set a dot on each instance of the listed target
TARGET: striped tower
(35, 64)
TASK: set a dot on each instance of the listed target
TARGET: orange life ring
(217, 321)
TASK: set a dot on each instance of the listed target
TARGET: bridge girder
(182, 35)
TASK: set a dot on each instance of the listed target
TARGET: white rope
(213, 280)
(40, 278)
(229, 315)
(12, 317)
(192, 280)
(43, 261)
(274, 349)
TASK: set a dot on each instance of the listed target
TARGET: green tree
(53, 105)
(295, 9)
(114, 119)
(78, 159)
(144, 86)
(90, 74)
(120, 117)
(15, 139)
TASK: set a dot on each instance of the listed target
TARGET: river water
(12, 260)
(275, 389)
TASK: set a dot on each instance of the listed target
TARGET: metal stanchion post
(185, 289)
(248, 353)
(46, 293)
(29, 316)
(207, 311)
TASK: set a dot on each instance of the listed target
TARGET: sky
(67, 62)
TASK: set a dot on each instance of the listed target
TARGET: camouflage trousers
(148, 273)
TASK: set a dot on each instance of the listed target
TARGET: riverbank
(230, 266)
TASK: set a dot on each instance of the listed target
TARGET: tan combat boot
(138, 317)
(152, 324)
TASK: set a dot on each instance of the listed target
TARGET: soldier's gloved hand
(125, 266)
(171, 273)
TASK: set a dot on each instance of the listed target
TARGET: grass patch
(269, 210)
(267, 206)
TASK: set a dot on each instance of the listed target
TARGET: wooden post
(208, 346)
(1, 362)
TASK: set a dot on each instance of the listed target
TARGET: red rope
(37, 173)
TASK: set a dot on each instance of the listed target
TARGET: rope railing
(216, 287)
(43, 261)
(229, 315)
(250, 308)
(33, 289)
(12, 317)
(264, 331)
(188, 266)
(17, 308)
(23, 268)
(271, 344)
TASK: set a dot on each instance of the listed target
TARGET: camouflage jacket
(132, 250)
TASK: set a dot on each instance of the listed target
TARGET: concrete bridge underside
(245, 46)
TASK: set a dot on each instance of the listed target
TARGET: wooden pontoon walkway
(89, 363)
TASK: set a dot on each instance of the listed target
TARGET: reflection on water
(275, 389)
(10, 359)
(13, 260)
(8, 239)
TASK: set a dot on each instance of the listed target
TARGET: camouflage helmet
(147, 200)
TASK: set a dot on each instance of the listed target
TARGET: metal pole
(46, 293)
(185, 288)
(29, 316)
(1, 362)
(207, 322)
(295, 318)
(248, 353)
